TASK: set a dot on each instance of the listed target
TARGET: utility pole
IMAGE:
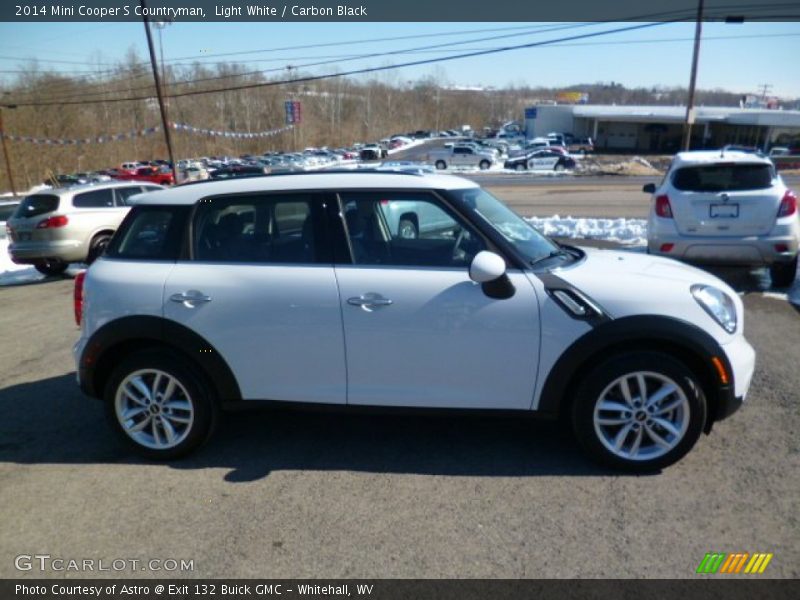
(159, 91)
(765, 88)
(5, 152)
(698, 31)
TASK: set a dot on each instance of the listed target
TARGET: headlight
(717, 304)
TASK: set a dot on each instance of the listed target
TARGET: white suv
(295, 289)
(725, 207)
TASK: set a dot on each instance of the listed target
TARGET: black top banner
(405, 11)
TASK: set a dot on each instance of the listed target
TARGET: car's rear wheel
(51, 267)
(441, 165)
(97, 247)
(520, 167)
(484, 164)
(783, 274)
(559, 167)
(639, 412)
(159, 405)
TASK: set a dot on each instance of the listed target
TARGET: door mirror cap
(649, 188)
(486, 266)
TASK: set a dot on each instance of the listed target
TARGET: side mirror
(486, 266)
(489, 270)
(649, 188)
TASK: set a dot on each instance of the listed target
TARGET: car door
(260, 288)
(543, 161)
(418, 331)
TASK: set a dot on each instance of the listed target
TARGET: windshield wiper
(553, 254)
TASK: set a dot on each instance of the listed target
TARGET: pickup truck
(461, 156)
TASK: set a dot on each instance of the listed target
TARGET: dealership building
(660, 128)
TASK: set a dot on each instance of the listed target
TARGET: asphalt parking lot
(282, 494)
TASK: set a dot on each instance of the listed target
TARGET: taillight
(59, 221)
(663, 209)
(788, 204)
(77, 297)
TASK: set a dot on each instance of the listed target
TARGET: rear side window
(36, 205)
(723, 178)
(271, 229)
(94, 199)
(150, 233)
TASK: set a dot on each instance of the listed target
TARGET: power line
(351, 57)
(364, 70)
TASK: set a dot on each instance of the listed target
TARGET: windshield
(530, 243)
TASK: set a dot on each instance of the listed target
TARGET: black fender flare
(101, 351)
(644, 331)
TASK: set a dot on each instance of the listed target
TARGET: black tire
(407, 229)
(484, 164)
(198, 393)
(783, 274)
(596, 382)
(441, 165)
(97, 247)
(559, 167)
(520, 167)
(51, 267)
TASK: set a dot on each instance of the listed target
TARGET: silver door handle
(190, 298)
(369, 301)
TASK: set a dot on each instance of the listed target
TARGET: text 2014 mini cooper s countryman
(304, 289)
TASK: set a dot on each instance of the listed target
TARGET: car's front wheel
(639, 412)
(159, 405)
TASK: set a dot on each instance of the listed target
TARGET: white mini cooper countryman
(292, 289)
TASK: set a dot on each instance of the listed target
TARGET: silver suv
(725, 207)
(52, 228)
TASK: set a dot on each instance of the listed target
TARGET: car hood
(631, 283)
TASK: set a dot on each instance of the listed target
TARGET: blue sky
(761, 53)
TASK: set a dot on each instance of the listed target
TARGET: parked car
(540, 160)
(158, 175)
(725, 208)
(580, 145)
(482, 313)
(235, 171)
(372, 152)
(461, 156)
(52, 228)
(7, 208)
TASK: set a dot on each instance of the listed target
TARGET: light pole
(159, 91)
(698, 31)
(5, 150)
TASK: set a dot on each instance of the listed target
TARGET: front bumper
(742, 360)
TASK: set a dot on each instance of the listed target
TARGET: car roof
(83, 187)
(320, 180)
(701, 157)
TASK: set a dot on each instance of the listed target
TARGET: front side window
(124, 193)
(94, 199)
(410, 229)
(258, 229)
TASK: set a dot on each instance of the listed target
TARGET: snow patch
(626, 231)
